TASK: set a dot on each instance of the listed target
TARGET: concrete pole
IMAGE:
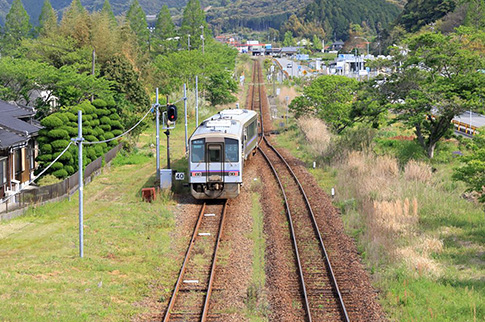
(158, 134)
(196, 101)
(185, 110)
(81, 183)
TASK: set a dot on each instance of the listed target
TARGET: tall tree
(439, 77)
(164, 30)
(194, 24)
(137, 19)
(289, 41)
(76, 23)
(47, 19)
(109, 12)
(329, 98)
(17, 26)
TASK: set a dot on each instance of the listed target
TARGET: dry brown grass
(417, 171)
(390, 217)
(316, 132)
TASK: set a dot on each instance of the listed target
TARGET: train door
(215, 162)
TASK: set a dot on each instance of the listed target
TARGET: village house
(18, 147)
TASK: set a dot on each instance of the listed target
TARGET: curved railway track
(192, 291)
(321, 295)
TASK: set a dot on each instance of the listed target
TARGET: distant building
(337, 45)
(18, 147)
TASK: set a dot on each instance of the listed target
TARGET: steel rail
(288, 211)
(293, 238)
(184, 265)
(213, 267)
(315, 226)
(312, 215)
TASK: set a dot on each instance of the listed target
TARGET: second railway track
(322, 298)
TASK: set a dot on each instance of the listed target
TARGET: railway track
(192, 292)
(321, 295)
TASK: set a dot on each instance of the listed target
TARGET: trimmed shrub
(61, 173)
(44, 157)
(116, 124)
(70, 169)
(108, 135)
(99, 103)
(115, 117)
(105, 127)
(58, 134)
(46, 149)
(57, 165)
(71, 131)
(72, 117)
(59, 145)
(52, 121)
(90, 138)
(117, 132)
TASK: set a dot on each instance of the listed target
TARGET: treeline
(105, 66)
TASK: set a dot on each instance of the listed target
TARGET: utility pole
(197, 100)
(188, 43)
(157, 106)
(185, 110)
(93, 63)
(202, 37)
(80, 178)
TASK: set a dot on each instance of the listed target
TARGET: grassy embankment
(423, 243)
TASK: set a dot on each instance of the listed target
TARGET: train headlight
(233, 173)
(196, 174)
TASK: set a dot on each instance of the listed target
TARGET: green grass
(128, 251)
(257, 306)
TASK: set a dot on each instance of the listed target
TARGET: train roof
(229, 122)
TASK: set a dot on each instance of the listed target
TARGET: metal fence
(54, 191)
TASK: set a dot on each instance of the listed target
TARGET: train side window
(231, 148)
(198, 150)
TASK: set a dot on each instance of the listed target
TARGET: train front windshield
(231, 150)
(198, 150)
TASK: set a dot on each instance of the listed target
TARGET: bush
(99, 103)
(46, 148)
(61, 173)
(57, 166)
(58, 134)
(52, 121)
(59, 145)
(69, 169)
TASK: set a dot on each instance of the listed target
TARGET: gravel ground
(234, 268)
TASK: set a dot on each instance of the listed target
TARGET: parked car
(290, 65)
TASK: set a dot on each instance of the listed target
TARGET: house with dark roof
(18, 147)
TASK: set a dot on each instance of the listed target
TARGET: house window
(18, 160)
(32, 154)
(3, 171)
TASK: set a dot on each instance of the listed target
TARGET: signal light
(172, 113)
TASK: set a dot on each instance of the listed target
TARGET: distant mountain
(34, 7)
(229, 15)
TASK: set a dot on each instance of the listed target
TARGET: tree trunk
(431, 148)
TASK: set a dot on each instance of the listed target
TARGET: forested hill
(336, 15)
(151, 7)
(228, 15)
(417, 13)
